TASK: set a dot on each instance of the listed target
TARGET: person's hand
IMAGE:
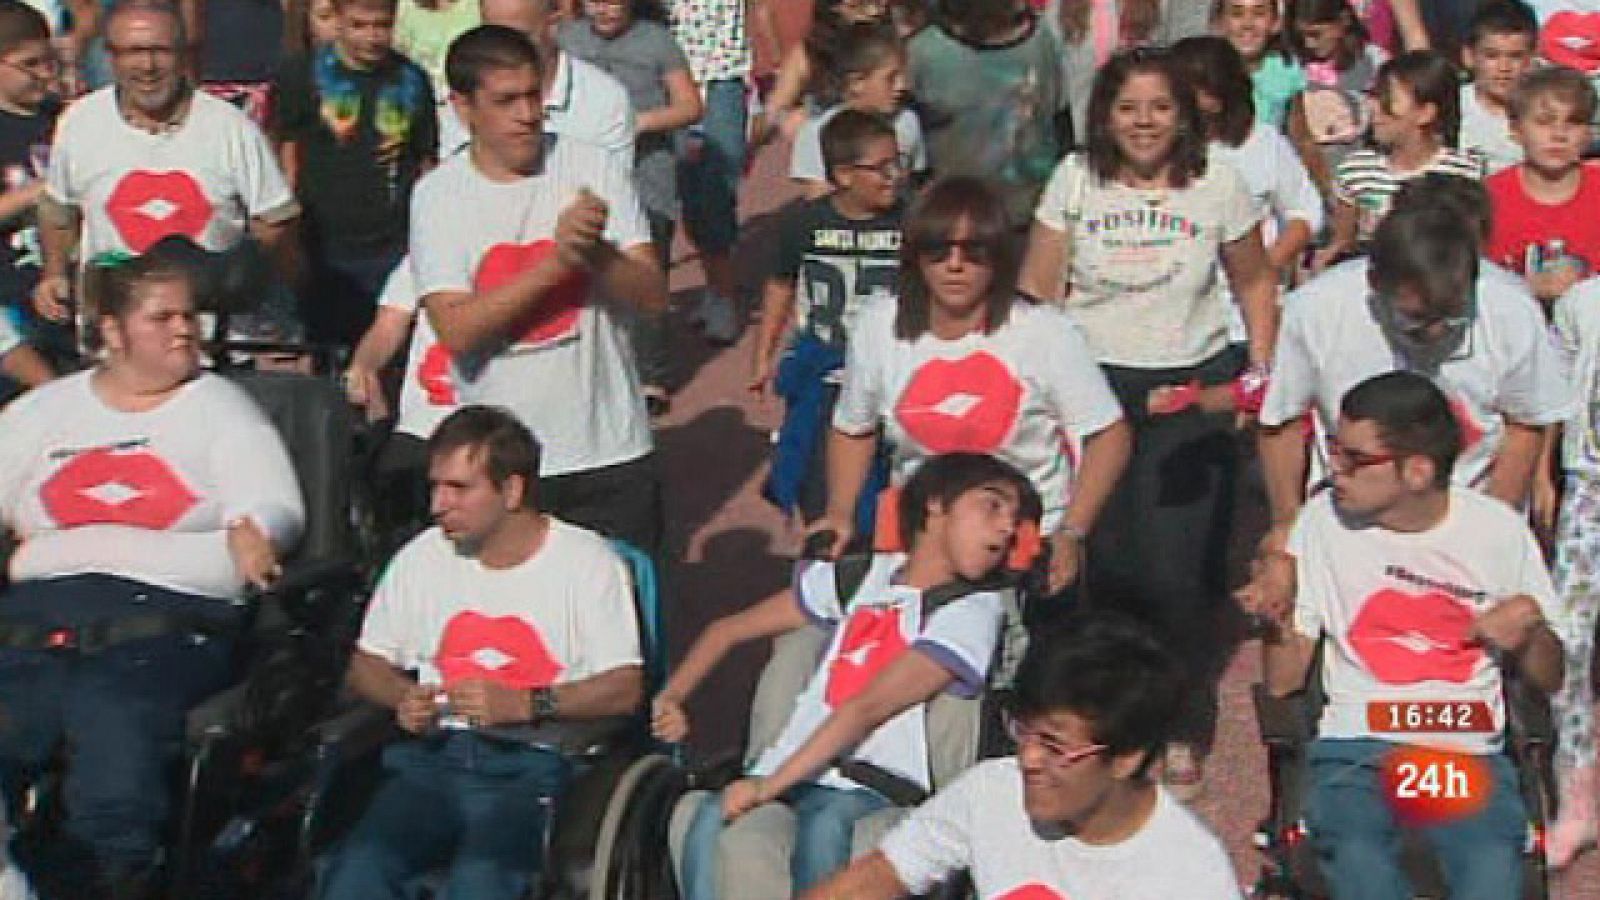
(1066, 560)
(668, 721)
(1551, 283)
(52, 298)
(1324, 258)
(839, 530)
(741, 797)
(761, 131)
(363, 389)
(415, 712)
(1276, 540)
(485, 703)
(762, 373)
(1269, 595)
(1546, 502)
(253, 555)
(580, 228)
(1509, 624)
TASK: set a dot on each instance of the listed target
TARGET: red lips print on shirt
(435, 378)
(1404, 638)
(1572, 39)
(872, 639)
(960, 405)
(107, 487)
(556, 318)
(145, 207)
(503, 649)
(1032, 891)
(1471, 431)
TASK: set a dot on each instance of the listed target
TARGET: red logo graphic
(1033, 890)
(872, 640)
(148, 206)
(556, 319)
(1430, 787)
(1572, 39)
(505, 650)
(105, 487)
(1471, 431)
(1405, 638)
(434, 376)
(960, 405)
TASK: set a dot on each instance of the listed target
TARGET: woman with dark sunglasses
(1133, 237)
(958, 362)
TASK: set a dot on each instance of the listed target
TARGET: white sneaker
(715, 314)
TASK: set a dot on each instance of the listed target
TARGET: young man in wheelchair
(959, 516)
(1427, 595)
(1075, 813)
(516, 625)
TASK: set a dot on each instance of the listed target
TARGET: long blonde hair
(1138, 19)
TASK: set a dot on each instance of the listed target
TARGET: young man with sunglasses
(1075, 812)
(1426, 593)
(1425, 302)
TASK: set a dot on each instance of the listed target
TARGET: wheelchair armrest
(1282, 720)
(355, 732)
(303, 575)
(572, 738)
(718, 772)
(217, 715)
(901, 791)
(1528, 713)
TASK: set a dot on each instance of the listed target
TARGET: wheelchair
(240, 744)
(1288, 725)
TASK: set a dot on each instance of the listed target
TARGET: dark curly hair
(1188, 157)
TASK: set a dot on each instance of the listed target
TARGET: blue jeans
(711, 162)
(119, 712)
(473, 804)
(1357, 838)
(825, 824)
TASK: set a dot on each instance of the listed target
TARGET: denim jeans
(457, 801)
(711, 162)
(1357, 837)
(119, 712)
(825, 823)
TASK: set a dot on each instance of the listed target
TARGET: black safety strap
(95, 637)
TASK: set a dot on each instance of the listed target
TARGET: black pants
(1159, 550)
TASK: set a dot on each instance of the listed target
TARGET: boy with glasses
(1423, 301)
(1426, 593)
(1075, 813)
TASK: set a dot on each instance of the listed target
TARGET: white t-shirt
(1486, 135)
(10, 336)
(883, 621)
(1144, 265)
(1023, 393)
(1577, 326)
(979, 823)
(1508, 368)
(428, 392)
(205, 180)
(806, 162)
(1398, 609)
(146, 496)
(569, 376)
(564, 614)
(584, 103)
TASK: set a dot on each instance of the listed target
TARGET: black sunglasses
(979, 253)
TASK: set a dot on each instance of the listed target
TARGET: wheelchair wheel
(631, 859)
(1535, 777)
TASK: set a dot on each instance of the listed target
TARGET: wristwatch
(542, 703)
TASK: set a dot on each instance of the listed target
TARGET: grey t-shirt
(640, 58)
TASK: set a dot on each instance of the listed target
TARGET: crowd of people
(1056, 278)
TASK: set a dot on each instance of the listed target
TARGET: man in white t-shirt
(150, 157)
(526, 248)
(487, 635)
(1074, 814)
(1426, 593)
(1424, 301)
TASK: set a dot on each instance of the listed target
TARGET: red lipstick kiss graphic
(435, 378)
(503, 649)
(556, 319)
(1405, 638)
(145, 207)
(1032, 891)
(872, 640)
(102, 486)
(960, 405)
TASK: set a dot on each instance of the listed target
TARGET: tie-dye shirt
(713, 36)
(364, 136)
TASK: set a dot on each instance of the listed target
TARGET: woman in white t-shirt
(1133, 235)
(145, 496)
(959, 363)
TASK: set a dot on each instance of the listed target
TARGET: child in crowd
(797, 76)
(837, 253)
(865, 68)
(1091, 31)
(627, 40)
(918, 624)
(1328, 119)
(308, 24)
(1499, 50)
(1545, 222)
(1252, 27)
(357, 128)
(1416, 118)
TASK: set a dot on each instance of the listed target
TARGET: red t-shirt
(1528, 234)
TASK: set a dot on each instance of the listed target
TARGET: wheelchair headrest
(232, 281)
(886, 534)
(316, 425)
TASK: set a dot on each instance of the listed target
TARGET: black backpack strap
(849, 573)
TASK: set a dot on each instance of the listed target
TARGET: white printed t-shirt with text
(568, 374)
(870, 631)
(1398, 609)
(980, 823)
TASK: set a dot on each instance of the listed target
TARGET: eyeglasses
(978, 253)
(887, 169)
(1348, 459)
(43, 68)
(1056, 753)
(153, 52)
(1420, 328)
